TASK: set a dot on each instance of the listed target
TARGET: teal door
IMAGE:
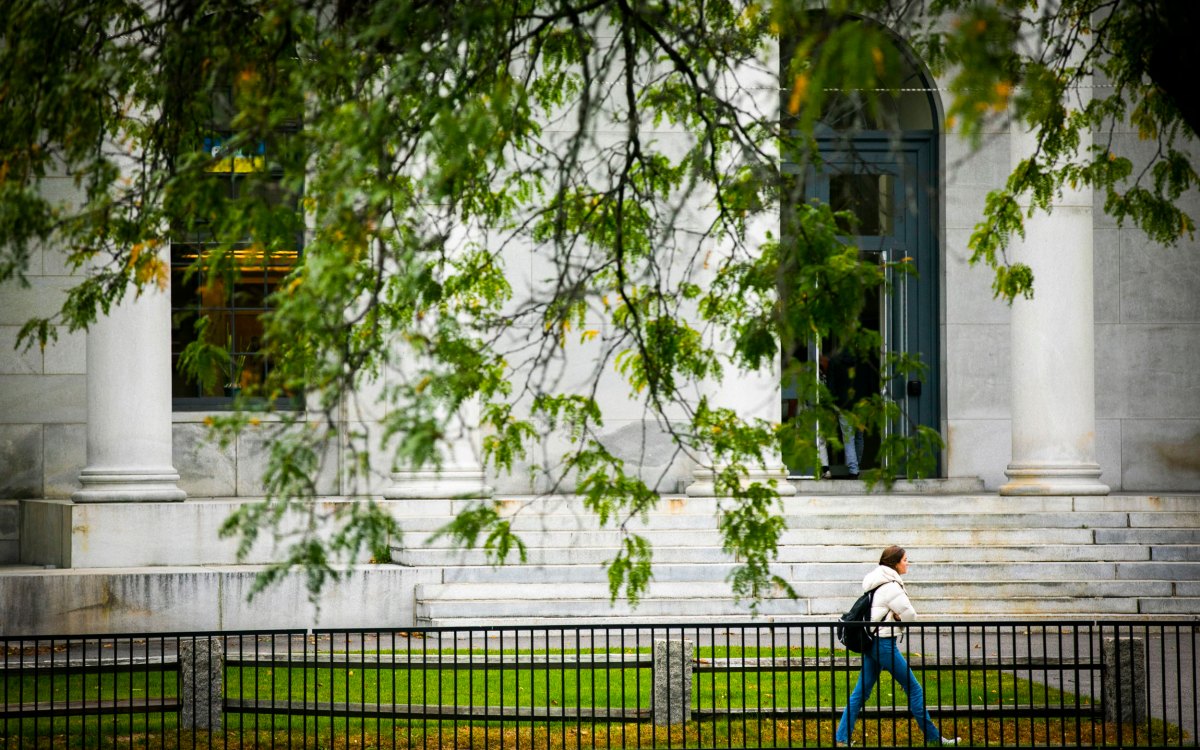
(887, 182)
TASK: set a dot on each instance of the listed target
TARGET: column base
(129, 486)
(704, 483)
(435, 484)
(1054, 479)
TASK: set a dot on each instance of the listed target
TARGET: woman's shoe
(951, 741)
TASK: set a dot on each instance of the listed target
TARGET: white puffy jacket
(890, 601)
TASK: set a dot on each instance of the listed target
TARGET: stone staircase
(973, 556)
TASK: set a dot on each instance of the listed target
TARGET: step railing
(685, 685)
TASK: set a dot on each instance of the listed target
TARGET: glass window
(869, 198)
(219, 290)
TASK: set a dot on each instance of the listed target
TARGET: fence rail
(760, 685)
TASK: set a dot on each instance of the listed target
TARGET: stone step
(733, 620)
(1144, 503)
(850, 573)
(894, 504)
(857, 555)
(933, 487)
(1176, 552)
(877, 520)
(977, 556)
(678, 505)
(1156, 536)
(875, 539)
(554, 594)
(1073, 609)
(701, 609)
(1175, 605)
(1188, 589)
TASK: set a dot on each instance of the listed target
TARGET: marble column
(752, 395)
(129, 403)
(1053, 348)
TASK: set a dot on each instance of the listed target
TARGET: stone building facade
(1091, 387)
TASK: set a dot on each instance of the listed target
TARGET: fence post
(1124, 691)
(672, 702)
(202, 684)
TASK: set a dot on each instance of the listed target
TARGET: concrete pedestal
(672, 681)
(202, 684)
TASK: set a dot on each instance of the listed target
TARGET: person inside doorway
(850, 380)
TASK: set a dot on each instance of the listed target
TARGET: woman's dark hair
(892, 556)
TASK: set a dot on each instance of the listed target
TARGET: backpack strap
(872, 600)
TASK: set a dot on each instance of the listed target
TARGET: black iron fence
(1011, 684)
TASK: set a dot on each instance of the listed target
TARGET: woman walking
(889, 603)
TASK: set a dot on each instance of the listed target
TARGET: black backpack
(851, 630)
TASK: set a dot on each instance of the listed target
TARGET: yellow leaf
(799, 90)
(162, 276)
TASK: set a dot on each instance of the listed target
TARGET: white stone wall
(43, 402)
(975, 326)
(1147, 349)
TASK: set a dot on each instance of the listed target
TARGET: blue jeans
(884, 654)
(852, 441)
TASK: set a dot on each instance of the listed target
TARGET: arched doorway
(879, 163)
